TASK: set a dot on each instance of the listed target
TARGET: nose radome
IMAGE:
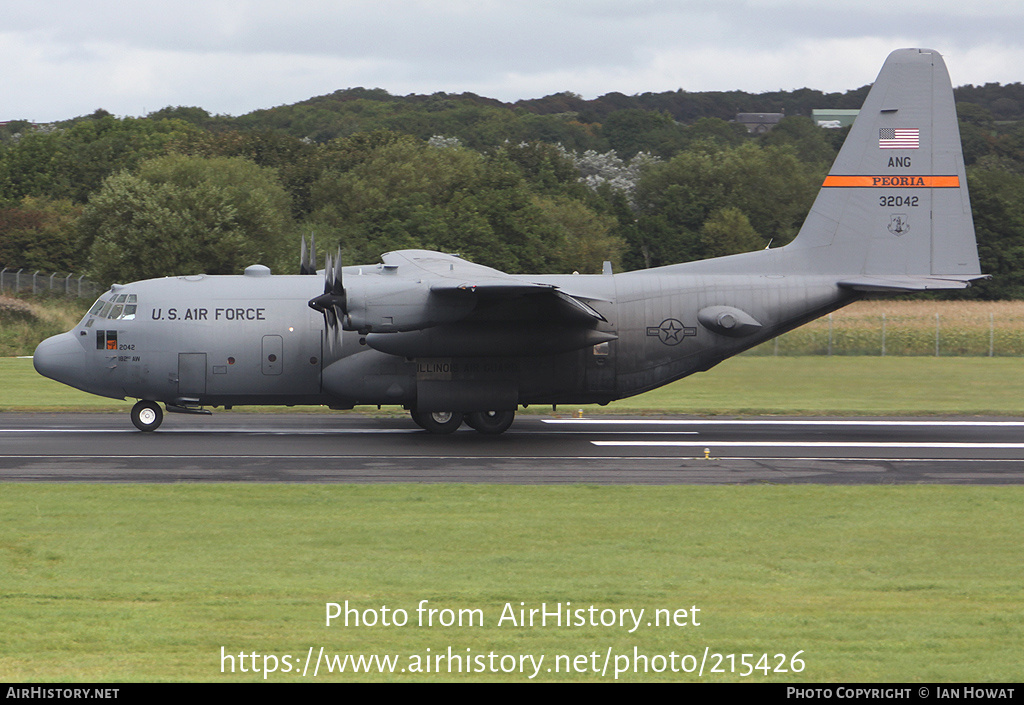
(61, 358)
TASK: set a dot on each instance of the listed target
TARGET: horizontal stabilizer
(898, 284)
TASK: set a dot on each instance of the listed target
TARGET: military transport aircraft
(456, 342)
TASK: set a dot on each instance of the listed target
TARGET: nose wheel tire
(490, 423)
(147, 415)
(438, 421)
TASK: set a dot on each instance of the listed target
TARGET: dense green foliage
(548, 185)
(704, 201)
(40, 234)
(180, 215)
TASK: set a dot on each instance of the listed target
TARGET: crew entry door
(191, 374)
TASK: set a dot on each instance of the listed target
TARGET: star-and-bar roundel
(671, 331)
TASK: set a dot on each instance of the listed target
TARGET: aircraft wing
(439, 264)
(451, 274)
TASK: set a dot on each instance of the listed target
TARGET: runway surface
(245, 447)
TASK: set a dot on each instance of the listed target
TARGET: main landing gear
(487, 422)
(490, 423)
(147, 415)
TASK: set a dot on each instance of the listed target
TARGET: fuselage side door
(191, 374)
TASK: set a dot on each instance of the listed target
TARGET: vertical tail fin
(894, 213)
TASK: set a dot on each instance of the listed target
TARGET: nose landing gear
(147, 415)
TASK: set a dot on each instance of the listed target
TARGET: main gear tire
(490, 423)
(439, 422)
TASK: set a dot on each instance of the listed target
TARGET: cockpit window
(122, 307)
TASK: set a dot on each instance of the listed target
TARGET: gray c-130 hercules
(454, 341)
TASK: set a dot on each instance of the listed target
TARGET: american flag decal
(899, 138)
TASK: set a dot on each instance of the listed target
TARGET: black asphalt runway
(248, 447)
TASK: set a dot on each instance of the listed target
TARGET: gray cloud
(66, 58)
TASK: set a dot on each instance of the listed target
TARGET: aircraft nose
(61, 358)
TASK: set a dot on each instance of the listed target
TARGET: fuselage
(253, 339)
(450, 339)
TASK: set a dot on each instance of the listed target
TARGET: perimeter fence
(24, 281)
(909, 328)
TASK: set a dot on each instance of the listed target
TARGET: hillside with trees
(552, 184)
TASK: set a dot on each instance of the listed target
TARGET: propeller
(333, 303)
(307, 261)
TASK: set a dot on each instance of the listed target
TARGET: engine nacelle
(384, 304)
(489, 340)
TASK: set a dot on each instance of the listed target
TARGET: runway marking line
(313, 431)
(807, 444)
(655, 458)
(777, 422)
(266, 432)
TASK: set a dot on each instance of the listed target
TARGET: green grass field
(147, 583)
(864, 584)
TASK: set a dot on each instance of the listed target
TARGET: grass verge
(147, 583)
(26, 320)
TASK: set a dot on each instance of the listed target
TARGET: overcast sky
(64, 58)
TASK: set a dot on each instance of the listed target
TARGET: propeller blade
(333, 302)
(307, 257)
(339, 289)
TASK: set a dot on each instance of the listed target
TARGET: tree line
(553, 185)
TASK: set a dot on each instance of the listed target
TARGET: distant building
(833, 119)
(759, 123)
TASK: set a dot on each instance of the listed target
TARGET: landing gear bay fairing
(456, 342)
